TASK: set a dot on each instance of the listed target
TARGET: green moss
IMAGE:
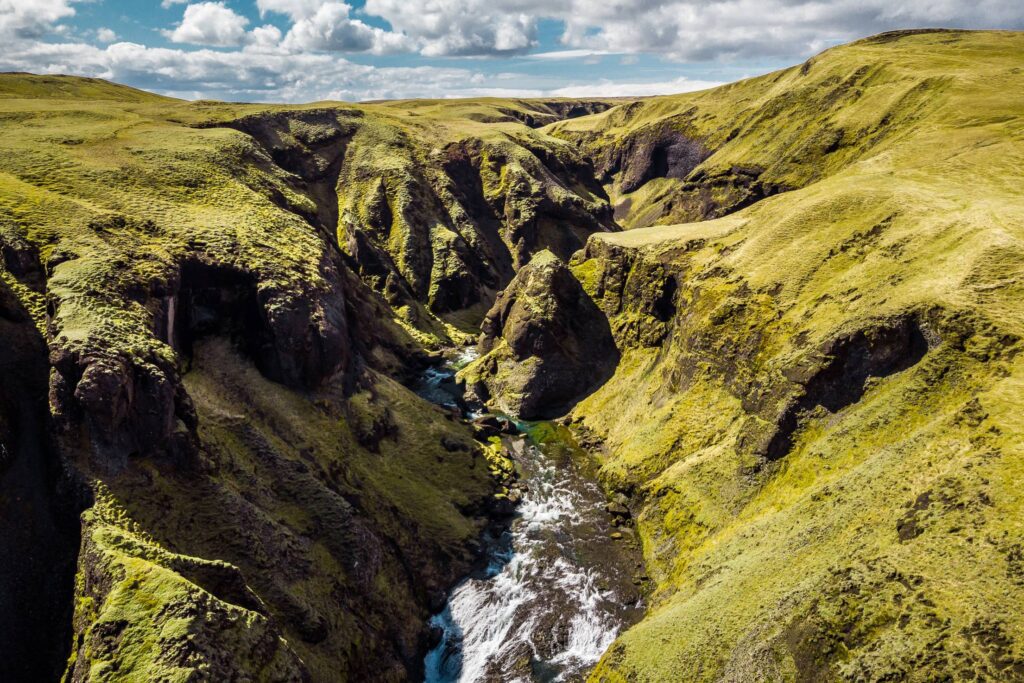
(877, 547)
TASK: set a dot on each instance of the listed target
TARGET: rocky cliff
(813, 416)
(802, 379)
(439, 209)
(231, 481)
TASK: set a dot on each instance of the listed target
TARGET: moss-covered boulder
(544, 344)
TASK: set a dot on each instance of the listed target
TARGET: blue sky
(304, 50)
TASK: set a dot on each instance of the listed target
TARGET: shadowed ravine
(557, 587)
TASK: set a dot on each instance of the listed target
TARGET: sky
(308, 50)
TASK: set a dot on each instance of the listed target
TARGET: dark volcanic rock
(38, 533)
(657, 152)
(298, 341)
(545, 344)
(121, 406)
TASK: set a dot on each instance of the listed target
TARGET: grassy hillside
(822, 441)
(814, 414)
(261, 498)
(32, 86)
(700, 155)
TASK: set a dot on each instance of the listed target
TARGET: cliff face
(439, 215)
(38, 534)
(258, 496)
(700, 156)
(807, 401)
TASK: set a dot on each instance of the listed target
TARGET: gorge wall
(811, 416)
(800, 373)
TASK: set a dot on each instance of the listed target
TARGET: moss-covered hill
(260, 498)
(209, 310)
(817, 411)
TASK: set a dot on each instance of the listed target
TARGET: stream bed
(560, 582)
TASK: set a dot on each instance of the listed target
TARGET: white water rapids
(557, 588)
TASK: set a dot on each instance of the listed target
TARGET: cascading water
(559, 582)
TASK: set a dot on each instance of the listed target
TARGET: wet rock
(545, 344)
(487, 426)
(617, 509)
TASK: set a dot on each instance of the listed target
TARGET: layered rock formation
(259, 497)
(439, 214)
(812, 417)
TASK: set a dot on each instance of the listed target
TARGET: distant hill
(32, 86)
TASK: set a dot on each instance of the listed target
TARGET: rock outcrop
(809, 409)
(439, 225)
(544, 344)
(200, 413)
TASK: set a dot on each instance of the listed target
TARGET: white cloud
(556, 55)
(265, 36)
(34, 19)
(693, 30)
(210, 23)
(261, 64)
(251, 74)
(461, 27)
(105, 35)
(331, 29)
(606, 88)
(256, 74)
(296, 9)
(167, 4)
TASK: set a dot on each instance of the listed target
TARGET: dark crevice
(665, 304)
(40, 536)
(658, 153)
(215, 300)
(311, 145)
(876, 352)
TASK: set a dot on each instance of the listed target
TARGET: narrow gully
(559, 583)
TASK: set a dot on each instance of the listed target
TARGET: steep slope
(813, 416)
(816, 412)
(441, 205)
(260, 498)
(544, 344)
(436, 205)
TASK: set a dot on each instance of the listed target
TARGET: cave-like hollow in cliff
(842, 380)
(215, 300)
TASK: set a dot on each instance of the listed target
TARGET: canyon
(721, 386)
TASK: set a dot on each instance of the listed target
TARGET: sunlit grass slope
(813, 507)
(792, 127)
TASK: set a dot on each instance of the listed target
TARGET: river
(560, 582)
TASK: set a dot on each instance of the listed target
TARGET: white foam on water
(488, 618)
